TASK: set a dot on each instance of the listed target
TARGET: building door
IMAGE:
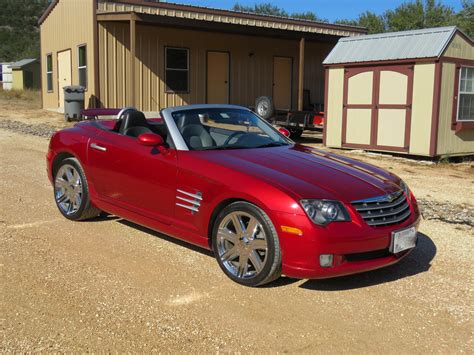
(377, 107)
(218, 78)
(282, 71)
(64, 73)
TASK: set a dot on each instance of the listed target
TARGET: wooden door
(377, 107)
(393, 111)
(218, 78)
(282, 71)
(64, 73)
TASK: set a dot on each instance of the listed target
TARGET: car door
(132, 176)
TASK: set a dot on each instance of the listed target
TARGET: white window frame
(49, 73)
(460, 92)
(176, 69)
(79, 67)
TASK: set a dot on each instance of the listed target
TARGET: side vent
(188, 200)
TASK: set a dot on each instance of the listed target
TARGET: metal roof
(425, 43)
(23, 62)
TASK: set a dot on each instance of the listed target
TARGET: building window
(177, 69)
(49, 72)
(82, 65)
(1, 73)
(466, 94)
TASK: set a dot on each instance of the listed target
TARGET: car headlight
(323, 212)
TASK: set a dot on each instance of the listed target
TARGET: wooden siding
(251, 68)
(422, 108)
(450, 142)
(333, 121)
(459, 48)
(70, 24)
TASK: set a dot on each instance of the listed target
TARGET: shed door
(377, 107)
(217, 77)
(64, 73)
(282, 70)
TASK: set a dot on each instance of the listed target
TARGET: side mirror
(150, 139)
(284, 131)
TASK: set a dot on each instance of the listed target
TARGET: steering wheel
(233, 135)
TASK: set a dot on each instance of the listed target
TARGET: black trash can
(73, 102)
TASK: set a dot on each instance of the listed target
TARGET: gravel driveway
(110, 285)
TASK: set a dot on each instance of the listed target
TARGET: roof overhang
(209, 19)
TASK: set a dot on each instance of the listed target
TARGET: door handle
(98, 147)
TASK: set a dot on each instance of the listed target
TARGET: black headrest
(188, 119)
(133, 119)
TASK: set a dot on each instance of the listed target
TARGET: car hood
(308, 172)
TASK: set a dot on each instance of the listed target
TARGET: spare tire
(264, 107)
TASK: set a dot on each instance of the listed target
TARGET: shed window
(82, 65)
(466, 94)
(1, 73)
(177, 69)
(49, 72)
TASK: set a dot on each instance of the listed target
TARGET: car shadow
(417, 262)
(176, 241)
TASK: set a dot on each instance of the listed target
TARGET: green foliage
(464, 19)
(269, 9)
(412, 14)
(19, 32)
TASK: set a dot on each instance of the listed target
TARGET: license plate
(403, 240)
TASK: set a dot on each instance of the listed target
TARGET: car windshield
(226, 128)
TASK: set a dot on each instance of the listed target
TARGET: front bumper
(355, 246)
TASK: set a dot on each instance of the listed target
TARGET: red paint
(138, 183)
(284, 131)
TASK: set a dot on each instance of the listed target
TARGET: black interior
(135, 123)
(193, 132)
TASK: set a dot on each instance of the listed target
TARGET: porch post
(301, 75)
(132, 85)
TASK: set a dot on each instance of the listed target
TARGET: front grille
(368, 255)
(384, 210)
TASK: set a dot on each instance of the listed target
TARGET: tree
(264, 9)
(19, 32)
(464, 19)
(419, 14)
(269, 9)
(373, 22)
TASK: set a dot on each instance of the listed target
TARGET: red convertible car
(220, 177)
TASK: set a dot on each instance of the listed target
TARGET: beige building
(409, 92)
(153, 55)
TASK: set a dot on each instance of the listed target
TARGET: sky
(328, 9)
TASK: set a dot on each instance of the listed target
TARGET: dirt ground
(110, 285)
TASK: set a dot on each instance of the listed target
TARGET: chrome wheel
(68, 189)
(242, 245)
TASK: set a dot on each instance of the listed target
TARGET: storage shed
(26, 74)
(409, 92)
(152, 55)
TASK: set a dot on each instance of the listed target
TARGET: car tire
(295, 133)
(71, 192)
(257, 250)
(264, 107)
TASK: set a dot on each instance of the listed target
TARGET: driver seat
(195, 135)
(134, 123)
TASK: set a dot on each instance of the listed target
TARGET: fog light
(325, 260)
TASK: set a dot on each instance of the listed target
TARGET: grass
(25, 98)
